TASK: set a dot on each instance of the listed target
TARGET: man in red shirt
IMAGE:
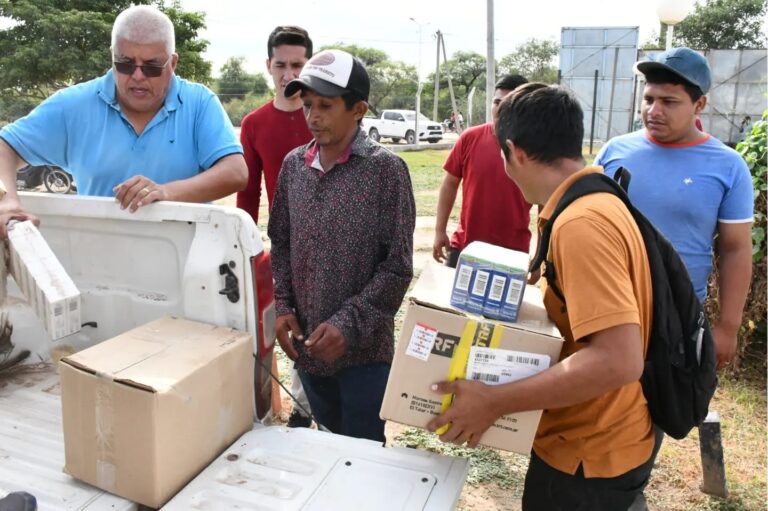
(493, 209)
(272, 131)
(267, 135)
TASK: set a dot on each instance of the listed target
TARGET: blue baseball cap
(684, 62)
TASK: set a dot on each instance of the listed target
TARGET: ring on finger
(146, 191)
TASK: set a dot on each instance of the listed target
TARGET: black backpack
(679, 377)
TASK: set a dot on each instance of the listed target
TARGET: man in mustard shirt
(593, 448)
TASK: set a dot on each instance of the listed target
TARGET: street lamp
(672, 12)
(418, 83)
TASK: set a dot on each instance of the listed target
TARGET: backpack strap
(586, 185)
(623, 177)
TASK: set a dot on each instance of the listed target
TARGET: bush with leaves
(753, 150)
(753, 330)
(238, 108)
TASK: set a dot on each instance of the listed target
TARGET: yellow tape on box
(476, 333)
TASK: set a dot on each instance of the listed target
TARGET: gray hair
(144, 24)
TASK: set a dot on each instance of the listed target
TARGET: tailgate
(131, 268)
(309, 470)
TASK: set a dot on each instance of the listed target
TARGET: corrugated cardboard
(46, 285)
(428, 345)
(146, 411)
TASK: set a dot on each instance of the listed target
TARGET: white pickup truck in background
(205, 263)
(401, 125)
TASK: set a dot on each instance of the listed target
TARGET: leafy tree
(260, 85)
(393, 83)
(234, 82)
(532, 59)
(467, 69)
(369, 56)
(189, 47)
(237, 109)
(723, 24)
(717, 24)
(14, 108)
(56, 43)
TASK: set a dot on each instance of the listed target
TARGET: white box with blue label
(490, 280)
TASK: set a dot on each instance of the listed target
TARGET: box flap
(433, 289)
(157, 355)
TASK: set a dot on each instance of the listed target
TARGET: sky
(239, 28)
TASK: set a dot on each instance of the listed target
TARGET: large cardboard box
(430, 350)
(146, 411)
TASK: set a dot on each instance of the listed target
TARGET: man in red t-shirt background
(275, 129)
(493, 209)
(267, 135)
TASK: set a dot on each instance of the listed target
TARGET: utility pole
(490, 69)
(450, 88)
(439, 38)
(418, 84)
(470, 100)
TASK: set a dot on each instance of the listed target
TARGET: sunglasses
(128, 68)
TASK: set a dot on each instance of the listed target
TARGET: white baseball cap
(332, 73)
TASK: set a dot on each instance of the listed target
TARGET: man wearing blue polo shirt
(139, 133)
(690, 185)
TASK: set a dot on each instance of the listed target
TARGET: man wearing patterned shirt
(267, 135)
(341, 227)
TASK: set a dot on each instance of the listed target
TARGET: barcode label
(497, 288)
(465, 275)
(485, 377)
(496, 366)
(523, 360)
(481, 283)
(513, 293)
(484, 356)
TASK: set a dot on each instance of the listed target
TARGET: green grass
(486, 466)
(427, 174)
(426, 169)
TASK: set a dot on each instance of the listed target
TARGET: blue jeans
(349, 402)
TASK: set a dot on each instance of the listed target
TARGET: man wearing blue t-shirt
(690, 185)
(139, 133)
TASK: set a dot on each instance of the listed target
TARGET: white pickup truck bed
(269, 468)
(32, 444)
(165, 259)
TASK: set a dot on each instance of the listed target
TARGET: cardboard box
(42, 279)
(430, 349)
(490, 281)
(146, 411)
